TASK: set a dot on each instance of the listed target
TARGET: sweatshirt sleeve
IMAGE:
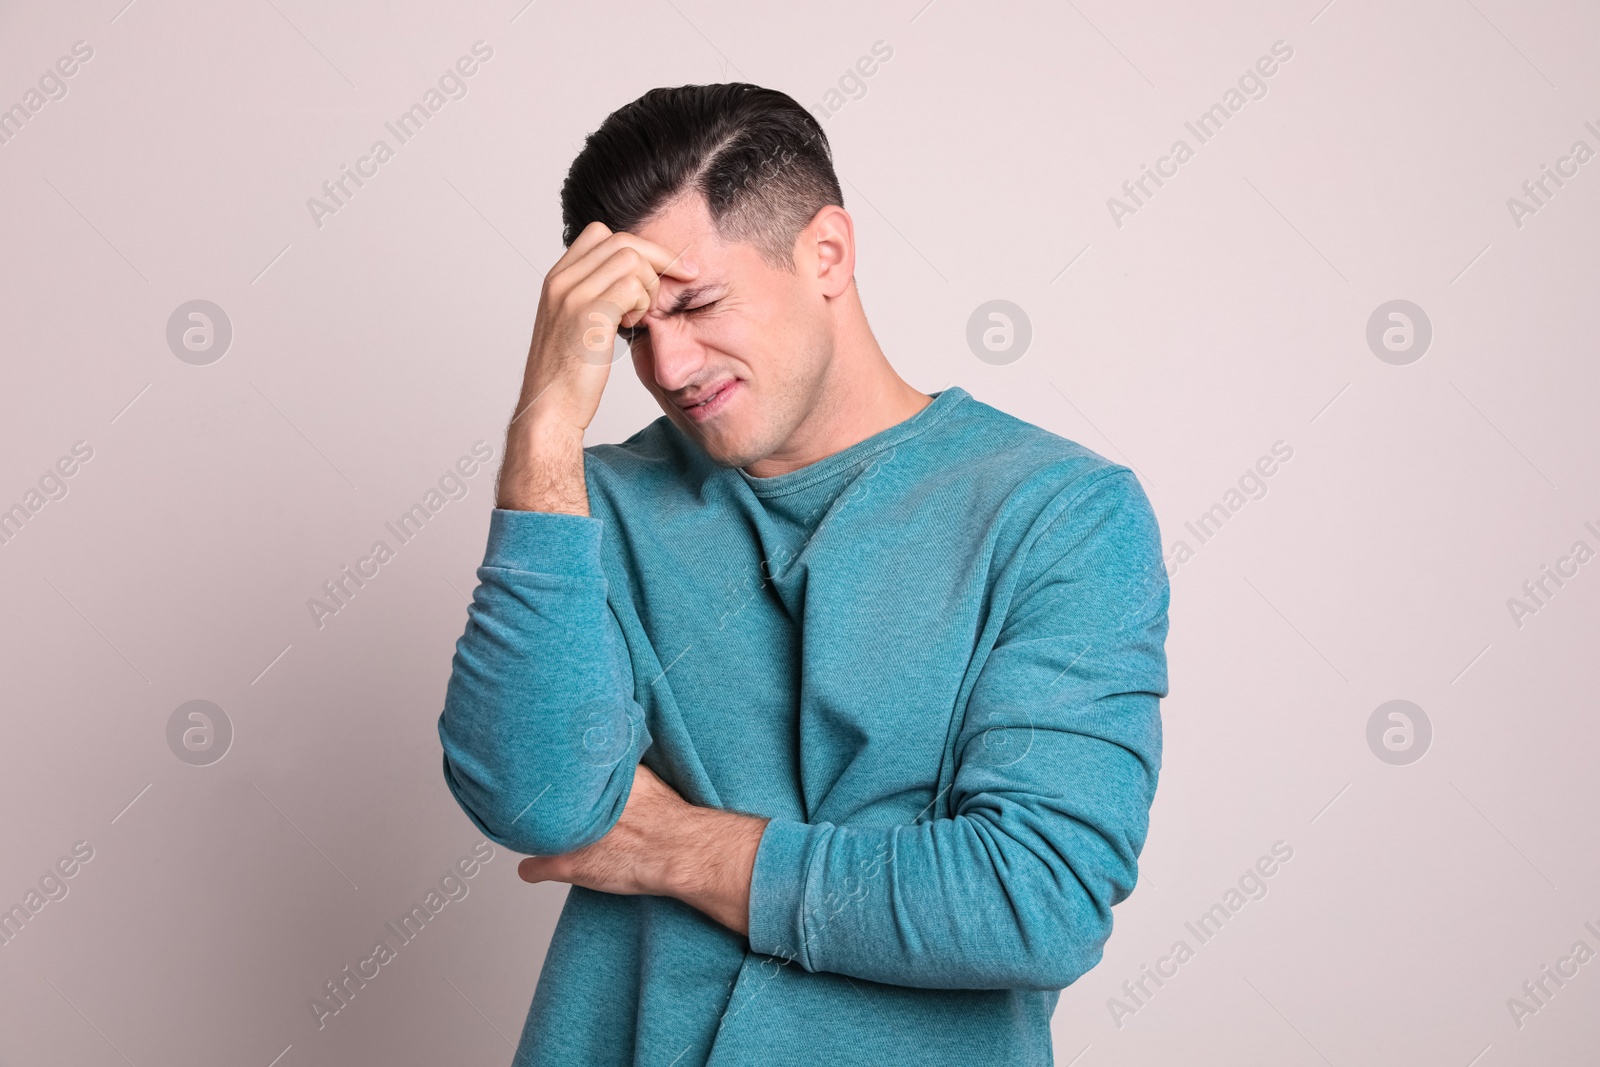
(1055, 772)
(540, 728)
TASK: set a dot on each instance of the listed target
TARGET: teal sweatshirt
(933, 659)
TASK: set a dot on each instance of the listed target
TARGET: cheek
(726, 335)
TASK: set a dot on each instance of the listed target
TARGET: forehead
(684, 227)
(683, 221)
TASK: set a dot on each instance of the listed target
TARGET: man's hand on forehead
(604, 280)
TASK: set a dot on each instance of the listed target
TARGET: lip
(714, 403)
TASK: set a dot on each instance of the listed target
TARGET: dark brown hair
(760, 161)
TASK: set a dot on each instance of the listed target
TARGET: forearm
(664, 846)
(945, 904)
(543, 467)
(1007, 896)
(708, 856)
(540, 730)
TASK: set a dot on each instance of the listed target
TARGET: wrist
(709, 862)
(543, 468)
(543, 441)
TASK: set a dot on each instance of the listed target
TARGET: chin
(725, 453)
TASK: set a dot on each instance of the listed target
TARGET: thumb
(534, 868)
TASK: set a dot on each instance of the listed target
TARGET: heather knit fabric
(933, 659)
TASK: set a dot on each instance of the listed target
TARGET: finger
(648, 259)
(624, 280)
(632, 299)
(536, 869)
(662, 260)
(586, 240)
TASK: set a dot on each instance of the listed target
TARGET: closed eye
(629, 333)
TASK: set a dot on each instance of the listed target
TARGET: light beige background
(368, 354)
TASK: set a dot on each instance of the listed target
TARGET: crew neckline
(828, 466)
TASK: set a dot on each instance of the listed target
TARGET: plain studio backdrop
(1371, 271)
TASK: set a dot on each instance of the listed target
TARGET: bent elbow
(1055, 967)
(540, 839)
(533, 836)
(531, 825)
(1060, 968)
(1063, 945)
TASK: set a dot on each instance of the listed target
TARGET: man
(835, 702)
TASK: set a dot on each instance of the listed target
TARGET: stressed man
(835, 702)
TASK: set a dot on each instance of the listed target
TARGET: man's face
(759, 335)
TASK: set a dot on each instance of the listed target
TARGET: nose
(675, 355)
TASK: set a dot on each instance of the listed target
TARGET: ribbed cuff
(778, 889)
(544, 542)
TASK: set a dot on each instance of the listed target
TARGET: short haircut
(758, 159)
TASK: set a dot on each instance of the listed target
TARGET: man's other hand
(665, 846)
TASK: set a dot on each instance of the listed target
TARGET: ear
(827, 247)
